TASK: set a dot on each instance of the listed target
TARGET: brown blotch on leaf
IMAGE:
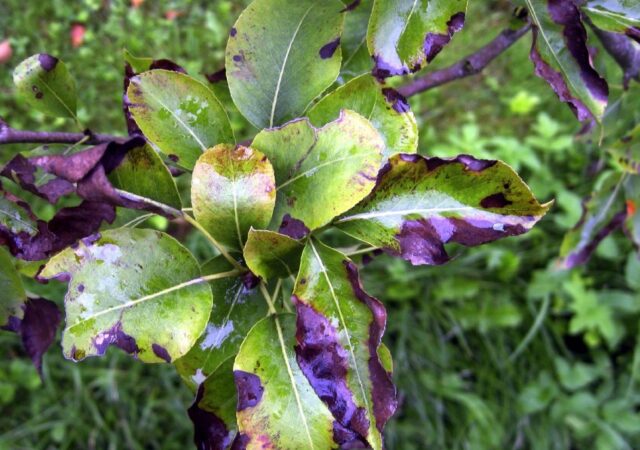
(329, 49)
(495, 201)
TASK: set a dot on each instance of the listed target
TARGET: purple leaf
(38, 328)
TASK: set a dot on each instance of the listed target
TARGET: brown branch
(470, 65)
(10, 135)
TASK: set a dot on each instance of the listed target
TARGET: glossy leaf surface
(233, 189)
(12, 301)
(561, 57)
(387, 111)
(237, 306)
(339, 331)
(618, 16)
(277, 407)
(178, 114)
(130, 288)
(321, 172)
(45, 83)
(142, 172)
(355, 54)
(404, 35)
(281, 55)
(269, 254)
(419, 204)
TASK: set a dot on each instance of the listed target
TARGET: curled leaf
(618, 16)
(269, 254)
(560, 56)
(419, 204)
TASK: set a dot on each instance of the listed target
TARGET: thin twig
(467, 66)
(10, 135)
(267, 297)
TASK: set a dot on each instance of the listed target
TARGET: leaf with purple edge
(561, 57)
(355, 54)
(272, 255)
(281, 55)
(213, 411)
(321, 172)
(38, 328)
(277, 407)
(625, 51)
(233, 189)
(139, 290)
(14, 297)
(339, 332)
(602, 213)
(44, 82)
(178, 114)
(419, 204)
(618, 16)
(237, 306)
(404, 35)
(385, 108)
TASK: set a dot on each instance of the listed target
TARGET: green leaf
(269, 254)
(277, 407)
(178, 114)
(236, 308)
(618, 16)
(45, 83)
(404, 35)
(281, 55)
(419, 204)
(136, 289)
(355, 54)
(138, 63)
(339, 324)
(233, 189)
(142, 172)
(321, 172)
(561, 57)
(387, 111)
(14, 297)
(14, 219)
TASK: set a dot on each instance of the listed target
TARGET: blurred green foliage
(500, 349)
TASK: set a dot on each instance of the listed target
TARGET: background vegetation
(499, 349)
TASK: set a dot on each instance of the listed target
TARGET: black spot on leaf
(329, 49)
(495, 201)
(161, 352)
(249, 389)
(47, 62)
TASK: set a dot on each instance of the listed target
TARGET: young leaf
(385, 108)
(618, 16)
(277, 407)
(134, 289)
(339, 331)
(355, 54)
(233, 189)
(142, 172)
(237, 306)
(269, 254)
(45, 83)
(602, 213)
(281, 55)
(419, 204)
(178, 114)
(14, 297)
(213, 412)
(320, 172)
(561, 57)
(404, 35)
